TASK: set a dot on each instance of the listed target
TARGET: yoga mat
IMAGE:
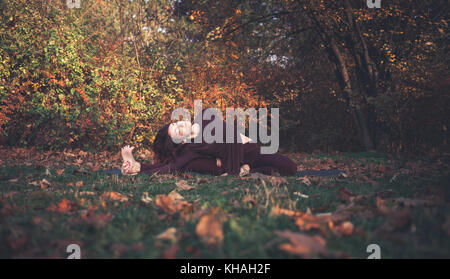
(321, 173)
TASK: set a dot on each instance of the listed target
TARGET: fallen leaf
(14, 180)
(183, 185)
(305, 180)
(114, 196)
(308, 222)
(381, 206)
(345, 228)
(202, 180)
(145, 198)
(168, 204)
(209, 230)
(169, 234)
(276, 210)
(86, 193)
(300, 244)
(64, 206)
(175, 195)
(301, 195)
(60, 171)
(79, 183)
(45, 184)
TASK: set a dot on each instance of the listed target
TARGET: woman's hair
(164, 148)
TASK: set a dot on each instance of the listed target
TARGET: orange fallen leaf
(169, 204)
(64, 206)
(209, 230)
(60, 171)
(114, 196)
(175, 195)
(35, 183)
(79, 183)
(300, 244)
(346, 228)
(308, 222)
(45, 184)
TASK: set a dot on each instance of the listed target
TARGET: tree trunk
(359, 117)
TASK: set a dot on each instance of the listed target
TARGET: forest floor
(49, 200)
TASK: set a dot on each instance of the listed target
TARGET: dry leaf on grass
(301, 195)
(183, 185)
(321, 222)
(60, 171)
(382, 207)
(145, 198)
(45, 184)
(86, 193)
(302, 245)
(305, 180)
(113, 196)
(169, 204)
(175, 195)
(345, 228)
(64, 206)
(209, 230)
(169, 234)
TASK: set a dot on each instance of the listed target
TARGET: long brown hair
(164, 148)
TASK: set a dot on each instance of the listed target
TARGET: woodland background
(345, 77)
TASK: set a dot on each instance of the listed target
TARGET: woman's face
(180, 130)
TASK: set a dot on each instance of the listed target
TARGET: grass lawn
(402, 205)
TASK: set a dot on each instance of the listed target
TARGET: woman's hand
(218, 162)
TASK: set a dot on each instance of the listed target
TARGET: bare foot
(130, 165)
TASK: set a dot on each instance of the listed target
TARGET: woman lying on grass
(207, 158)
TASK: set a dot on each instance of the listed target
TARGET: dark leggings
(263, 163)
